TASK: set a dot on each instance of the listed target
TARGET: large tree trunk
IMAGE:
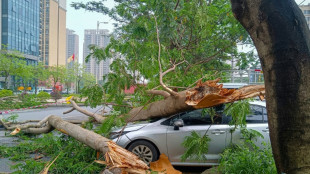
(204, 95)
(281, 36)
(162, 108)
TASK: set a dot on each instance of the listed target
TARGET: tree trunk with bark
(282, 38)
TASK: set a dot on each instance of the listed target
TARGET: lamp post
(97, 43)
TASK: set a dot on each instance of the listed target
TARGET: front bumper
(122, 141)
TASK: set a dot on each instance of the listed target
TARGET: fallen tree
(204, 95)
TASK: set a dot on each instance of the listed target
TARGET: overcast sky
(79, 20)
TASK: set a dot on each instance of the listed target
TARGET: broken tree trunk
(115, 156)
(204, 95)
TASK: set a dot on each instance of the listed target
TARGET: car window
(258, 114)
(196, 117)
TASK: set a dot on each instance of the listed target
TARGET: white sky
(79, 20)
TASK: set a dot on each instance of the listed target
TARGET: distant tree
(40, 73)
(69, 77)
(56, 74)
(11, 64)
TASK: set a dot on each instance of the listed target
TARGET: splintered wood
(128, 162)
(209, 93)
(118, 157)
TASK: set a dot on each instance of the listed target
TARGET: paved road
(38, 114)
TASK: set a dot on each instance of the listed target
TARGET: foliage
(56, 95)
(248, 158)
(11, 63)
(27, 100)
(111, 121)
(5, 93)
(11, 118)
(196, 146)
(74, 157)
(250, 134)
(94, 95)
(203, 33)
(43, 96)
(238, 111)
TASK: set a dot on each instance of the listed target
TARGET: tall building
(19, 31)
(53, 32)
(20, 27)
(72, 47)
(306, 11)
(100, 38)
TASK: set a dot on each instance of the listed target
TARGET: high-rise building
(53, 32)
(72, 47)
(100, 38)
(306, 11)
(20, 27)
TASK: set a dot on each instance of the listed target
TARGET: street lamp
(97, 43)
(97, 31)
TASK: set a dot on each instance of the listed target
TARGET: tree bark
(169, 106)
(282, 38)
(204, 95)
(115, 155)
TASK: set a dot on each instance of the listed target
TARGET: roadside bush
(248, 158)
(43, 96)
(5, 93)
(55, 95)
(28, 100)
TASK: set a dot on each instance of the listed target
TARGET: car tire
(145, 150)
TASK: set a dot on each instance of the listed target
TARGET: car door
(201, 123)
(258, 121)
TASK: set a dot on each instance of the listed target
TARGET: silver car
(150, 139)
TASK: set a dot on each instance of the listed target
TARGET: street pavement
(39, 114)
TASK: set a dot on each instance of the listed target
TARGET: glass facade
(21, 26)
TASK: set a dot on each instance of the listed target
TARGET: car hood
(131, 127)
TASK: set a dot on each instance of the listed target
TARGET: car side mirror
(177, 124)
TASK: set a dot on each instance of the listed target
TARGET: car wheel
(144, 150)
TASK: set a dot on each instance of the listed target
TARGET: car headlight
(114, 135)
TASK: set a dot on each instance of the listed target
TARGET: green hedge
(5, 93)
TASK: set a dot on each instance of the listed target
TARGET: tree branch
(161, 74)
(70, 110)
(165, 94)
(97, 117)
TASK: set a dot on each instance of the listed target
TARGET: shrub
(248, 158)
(245, 160)
(5, 93)
(55, 95)
(43, 96)
(28, 100)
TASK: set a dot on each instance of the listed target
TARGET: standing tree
(40, 73)
(57, 75)
(282, 38)
(195, 39)
(10, 64)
